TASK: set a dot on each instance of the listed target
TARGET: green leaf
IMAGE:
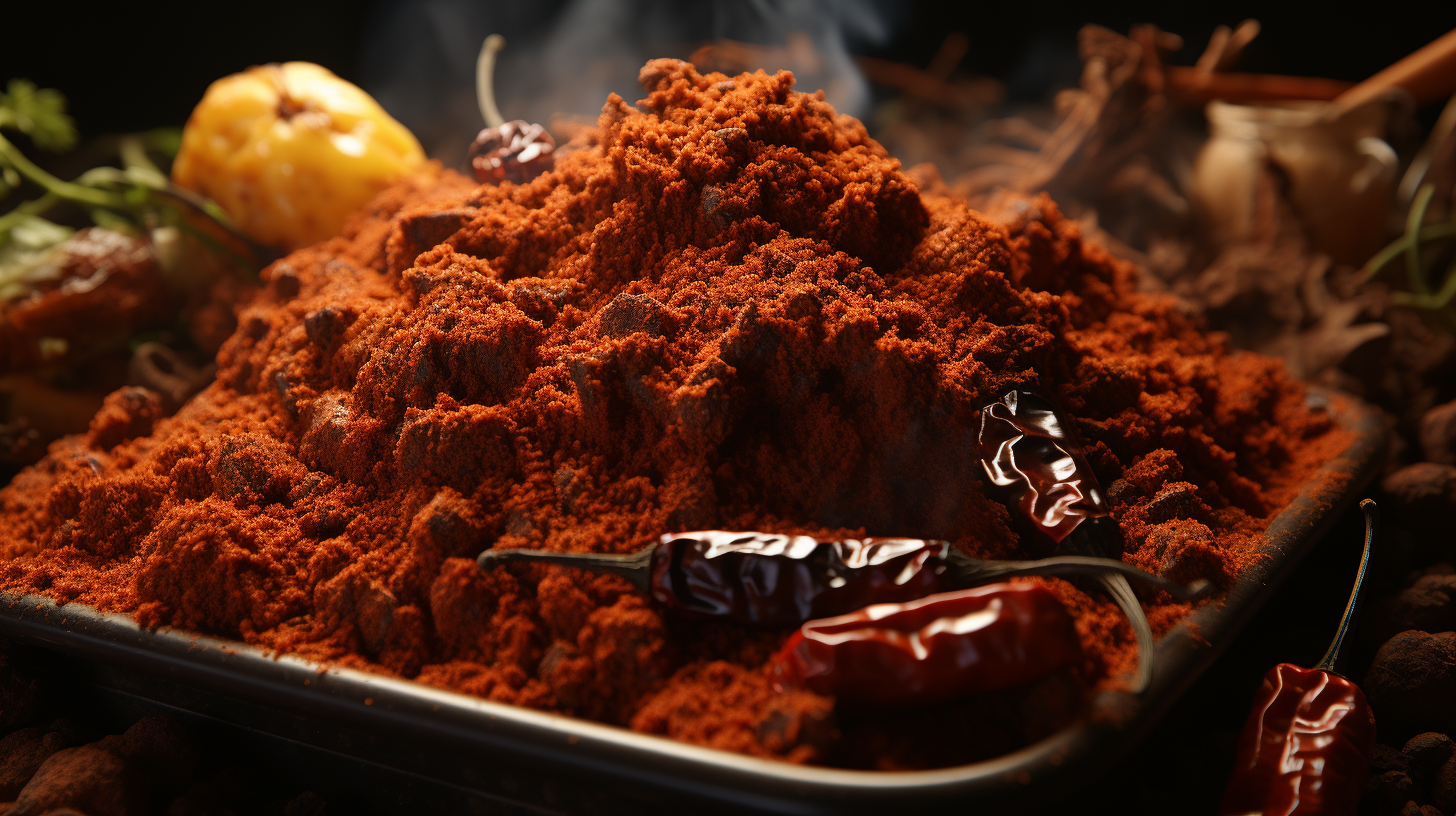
(39, 113)
(35, 233)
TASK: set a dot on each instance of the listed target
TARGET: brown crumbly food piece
(107, 287)
(21, 754)
(727, 308)
(88, 779)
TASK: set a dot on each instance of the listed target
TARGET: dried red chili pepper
(514, 151)
(933, 649)
(1029, 451)
(1306, 746)
(784, 580)
(505, 151)
(1032, 456)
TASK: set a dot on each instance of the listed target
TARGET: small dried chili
(515, 151)
(784, 580)
(1031, 455)
(1306, 746)
(505, 151)
(933, 649)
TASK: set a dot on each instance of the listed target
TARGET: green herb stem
(1413, 270)
(69, 191)
(1397, 248)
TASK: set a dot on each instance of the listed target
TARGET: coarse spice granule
(725, 308)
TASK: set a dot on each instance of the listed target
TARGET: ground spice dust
(725, 308)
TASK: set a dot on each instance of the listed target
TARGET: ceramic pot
(1339, 170)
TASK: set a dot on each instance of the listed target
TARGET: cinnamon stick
(1428, 74)
(1195, 86)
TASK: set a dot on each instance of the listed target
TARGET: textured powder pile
(726, 308)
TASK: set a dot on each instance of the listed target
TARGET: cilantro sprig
(134, 197)
(39, 113)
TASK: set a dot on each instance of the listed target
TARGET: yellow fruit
(290, 150)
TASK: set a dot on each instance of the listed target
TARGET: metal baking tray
(520, 755)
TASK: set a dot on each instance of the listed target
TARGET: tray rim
(405, 707)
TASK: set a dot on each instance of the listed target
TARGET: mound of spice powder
(725, 308)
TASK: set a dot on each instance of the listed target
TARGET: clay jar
(1340, 172)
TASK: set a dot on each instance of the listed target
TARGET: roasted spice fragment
(675, 328)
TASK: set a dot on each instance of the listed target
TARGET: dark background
(127, 67)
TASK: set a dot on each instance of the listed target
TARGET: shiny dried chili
(516, 151)
(1029, 452)
(783, 580)
(1306, 746)
(933, 649)
(1032, 457)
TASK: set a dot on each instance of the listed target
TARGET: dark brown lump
(727, 308)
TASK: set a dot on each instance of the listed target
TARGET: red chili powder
(727, 308)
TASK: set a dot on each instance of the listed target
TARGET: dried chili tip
(931, 650)
(516, 151)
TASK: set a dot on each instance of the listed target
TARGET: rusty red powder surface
(725, 308)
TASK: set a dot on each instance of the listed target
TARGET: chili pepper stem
(635, 567)
(1113, 577)
(485, 80)
(70, 191)
(1122, 594)
(974, 569)
(1372, 526)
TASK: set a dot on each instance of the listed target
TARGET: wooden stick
(922, 84)
(1428, 74)
(952, 49)
(1213, 53)
(1198, 86)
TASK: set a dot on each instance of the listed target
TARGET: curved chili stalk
(1372, 528)
(972, 571)
(1112, 575)
(1117, 587)
(635, 567)
(485, 80)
